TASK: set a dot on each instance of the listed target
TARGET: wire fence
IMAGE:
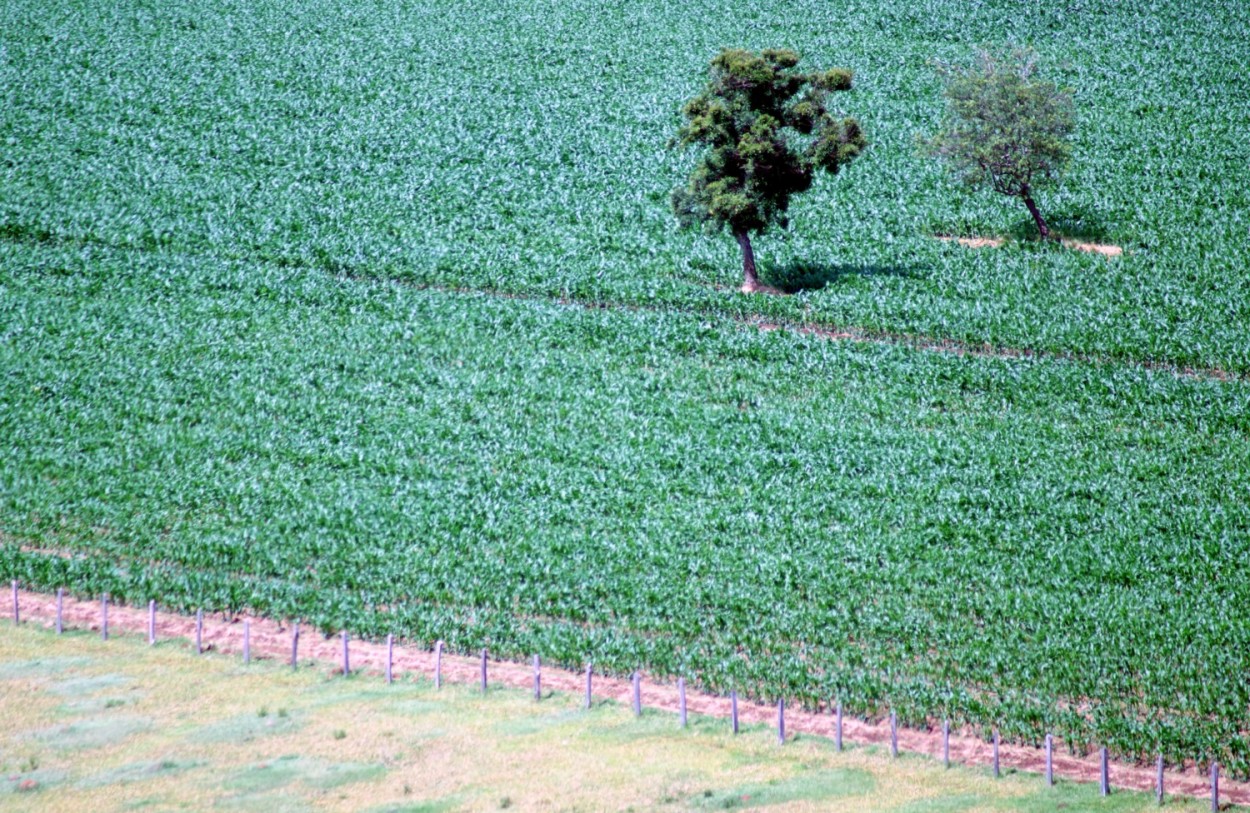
(839, 734)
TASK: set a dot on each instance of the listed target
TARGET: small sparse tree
(1005, 128)
(751, 108)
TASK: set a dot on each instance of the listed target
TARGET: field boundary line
(849, 333)
(269, 639)
(831, 332)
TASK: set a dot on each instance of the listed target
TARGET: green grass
(823, 785)
(91, 732)
(136, 772)
(250, 359)
(247, 727)
(289, 768)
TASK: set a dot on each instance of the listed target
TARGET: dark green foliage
(752, 108)
(1005, 128)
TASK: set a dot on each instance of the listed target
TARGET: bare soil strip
(272, 640)
(972, 242)
(1105, 249)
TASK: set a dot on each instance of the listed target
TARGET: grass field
(257, 354)
(121, 726)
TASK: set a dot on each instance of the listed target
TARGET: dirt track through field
(272, 640)
(858, 335)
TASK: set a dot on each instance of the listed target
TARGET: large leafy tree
(1005, 128)
(766, 130)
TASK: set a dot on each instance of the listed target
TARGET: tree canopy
(766, 129)
(1005, 128)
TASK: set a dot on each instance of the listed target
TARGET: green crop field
(374, 314)
(523, 149)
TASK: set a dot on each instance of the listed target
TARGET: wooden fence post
(60, 607)
(390, 658)
(1159, 779)
(681, 700)
(247, 641)
(637, 686)
(295, 644)
(438, 664)
(1215, 787)
(589, 672)
(946, 743)
(17, 613)
(893, 733)
(538, 678)
(733, 709)
(347, 666)
(152, 622)
(1050, 761)
(781, 721)
(104, 617)
(997, 772)
(1104, 772)
(837, 727)
(483, 670)
(199, 632)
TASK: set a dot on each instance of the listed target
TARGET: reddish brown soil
(272, 639)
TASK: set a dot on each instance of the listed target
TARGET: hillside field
(374, 314)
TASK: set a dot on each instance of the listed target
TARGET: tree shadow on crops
(802, 275)
(1073, 224)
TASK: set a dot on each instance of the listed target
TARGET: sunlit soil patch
(1105, 249)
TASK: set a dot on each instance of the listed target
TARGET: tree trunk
(750, 280)
(1042, 228)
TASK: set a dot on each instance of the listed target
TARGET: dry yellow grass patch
(118, 725)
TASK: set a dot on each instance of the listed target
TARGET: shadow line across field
(915, 341)
(792, 277)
